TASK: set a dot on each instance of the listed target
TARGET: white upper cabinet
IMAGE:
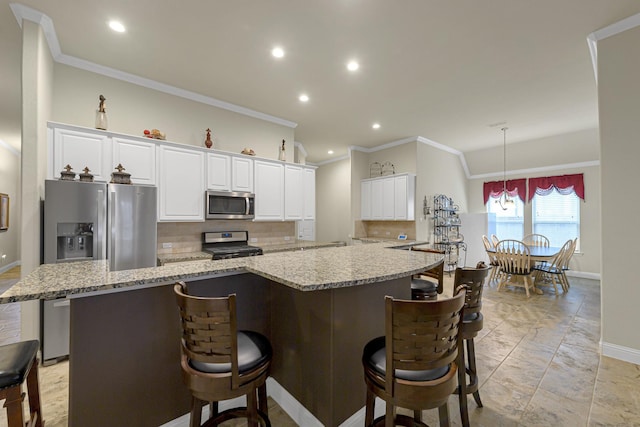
(242, 174)
(388, 198)
(269, 191)
(365, 199)
(181, 185)
(293, 192)
(309, 212)
(137, 157)
(218, 172)
(80, 149)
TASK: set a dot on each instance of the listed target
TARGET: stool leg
(262, 399)
(33, 390)
(443, 414)
(369, 408)
(473, 372)
(196, 412)
(390, 416)
(15, 406)
(462, 386)
(252, 409)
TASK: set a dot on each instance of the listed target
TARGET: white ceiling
(443, 70)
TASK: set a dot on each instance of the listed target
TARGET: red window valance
(565, 184)
(515, 187)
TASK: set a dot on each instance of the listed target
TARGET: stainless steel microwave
(229, 205)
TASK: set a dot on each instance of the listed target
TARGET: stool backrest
(209, 328)
(421, 335)
(471, 280)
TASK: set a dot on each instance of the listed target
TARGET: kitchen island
(318, 307)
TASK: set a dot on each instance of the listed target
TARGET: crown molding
(608, 31)
(22, 12)
(536, 170)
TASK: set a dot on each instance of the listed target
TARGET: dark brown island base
(318, 308)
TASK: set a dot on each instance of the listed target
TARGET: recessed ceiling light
(303, 98)
(330, 152)
(353, 66)
(277, 52)
(117, 26)
(376, 126)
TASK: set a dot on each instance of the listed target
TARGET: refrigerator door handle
(112, 206)
(100, 244)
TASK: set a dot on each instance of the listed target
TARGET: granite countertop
(182, 257)
(323, 268)
(299, 245)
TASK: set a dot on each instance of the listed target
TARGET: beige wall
(10, 184)
(619, 104)
(132, 108)
(37, 72)
(333, 201)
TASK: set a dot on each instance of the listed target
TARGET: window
(509, 222)
(557, 216)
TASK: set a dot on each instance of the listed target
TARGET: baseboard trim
(619, 352)
(290, 405)
(9, 266)
(583, 275)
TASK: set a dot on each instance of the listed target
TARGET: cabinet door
(181, 184)
(137, 157)
(400, 197)
(218, 172)
(269, 190)
(365, 200)
(80, 150)
(293, 192)
(388, 198)
(309, 194)
(242, 174)
(376, 199)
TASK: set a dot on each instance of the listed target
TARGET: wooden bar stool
(219, 362)
(19, 362)
(428, 284)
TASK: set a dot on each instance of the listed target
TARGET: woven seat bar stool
(472, 281)
(415, 364)
(19, 363)
(219, 362)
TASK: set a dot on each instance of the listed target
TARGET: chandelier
(504, 200)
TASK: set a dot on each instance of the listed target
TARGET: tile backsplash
(184, 237)
(385, 229)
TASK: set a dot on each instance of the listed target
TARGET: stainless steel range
(228, 244)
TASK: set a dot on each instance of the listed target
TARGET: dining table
(537, 254)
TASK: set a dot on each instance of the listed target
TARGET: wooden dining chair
(514, 259)
(489, 248)
(552, 270)
(494, 240)
(536, 240)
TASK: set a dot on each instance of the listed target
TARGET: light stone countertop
(297, 245)
(323, 268)
(182, 257)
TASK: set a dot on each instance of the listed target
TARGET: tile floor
(537, 359)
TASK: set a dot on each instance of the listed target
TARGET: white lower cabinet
(80, 149)
(269, 191)
(181, 185)
(138, 159)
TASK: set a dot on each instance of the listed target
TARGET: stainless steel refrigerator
(93, 221)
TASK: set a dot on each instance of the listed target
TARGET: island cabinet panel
(318, 338)
(125, 347)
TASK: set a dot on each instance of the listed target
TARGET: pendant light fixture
(504, 200)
